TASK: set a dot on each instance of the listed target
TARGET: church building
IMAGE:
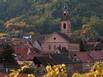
(61, 39)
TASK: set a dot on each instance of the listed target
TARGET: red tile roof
(21, 48)
(84, 57)
(24, 75)
(3, 74)
(96, 55)
(90, 56)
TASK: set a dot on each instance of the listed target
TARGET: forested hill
(44, 15)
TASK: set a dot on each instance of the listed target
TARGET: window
(86, 66)
(70, 67)
(49, 47)
(64, 25)
(59, 47)
(64, 14)
(54, 47)
(75, 58)
(54, 38)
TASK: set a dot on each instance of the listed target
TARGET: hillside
(43, 16)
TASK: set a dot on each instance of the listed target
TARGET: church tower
(65, 23)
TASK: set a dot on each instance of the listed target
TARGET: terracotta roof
(53, 59)
(2, 74)
(71, 39)
(90, 56)
(39, 38)
(25, 57)
(64, 36)
(96, 55)
(99, 46)
(23, 53)
(84, 57)
(23, 75)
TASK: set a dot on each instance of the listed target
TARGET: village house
(61, 39)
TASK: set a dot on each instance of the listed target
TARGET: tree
(6, 55)
(96, 71)
(82, 46)
(36, 12)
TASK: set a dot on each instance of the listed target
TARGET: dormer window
(75, 58)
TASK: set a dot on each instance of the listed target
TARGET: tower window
(64, 14)
(64, 25)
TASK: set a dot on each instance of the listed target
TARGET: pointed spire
(66, 15)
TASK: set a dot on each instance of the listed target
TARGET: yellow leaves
(31, 75)
(56, 70)
(98, 67)
(96, 70)
(16, 73)
(92, 21)
(88, 25)
(77, 75)
(48, 68)
(20, 24)
(2, 34)
(15, 23)
(86, 30)
(8, 24)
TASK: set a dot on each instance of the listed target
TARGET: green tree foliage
(7, 54)
(45, 14)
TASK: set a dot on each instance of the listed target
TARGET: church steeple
(66, 23)
(65, 14)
